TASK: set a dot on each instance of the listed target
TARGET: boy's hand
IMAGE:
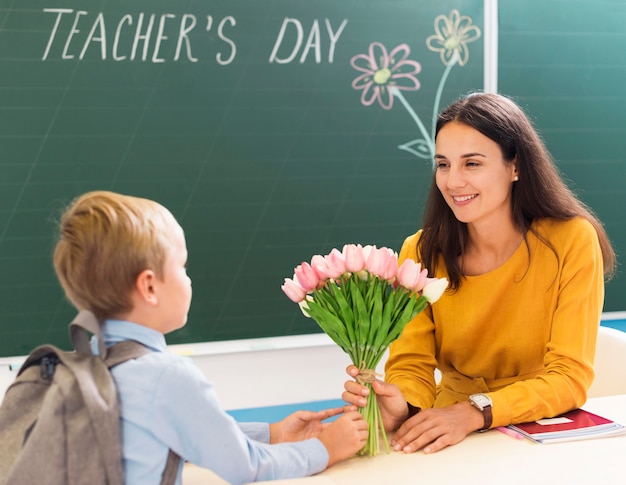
(344, 436)
(303, 425)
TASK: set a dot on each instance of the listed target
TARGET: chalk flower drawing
(452, 36)
(382, 72)
(385, 76)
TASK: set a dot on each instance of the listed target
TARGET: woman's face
(472, 175)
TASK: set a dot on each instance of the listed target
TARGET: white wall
(278, 371)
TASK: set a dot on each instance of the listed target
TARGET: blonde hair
(105, 241)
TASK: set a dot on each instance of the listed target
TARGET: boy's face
(175, 288)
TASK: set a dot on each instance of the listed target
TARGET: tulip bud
(421, 281)
(306, 276)
(434, 289)
(318, 263)
(367, 250)
(377, 262)
(408, 274)
(391, 269)
(335, 263)
(353, 255)
(304, 305)
(293, 290)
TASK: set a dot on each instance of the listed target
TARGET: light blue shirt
(166, 402)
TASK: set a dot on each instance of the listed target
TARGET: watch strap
(488, 417)
(484, 407)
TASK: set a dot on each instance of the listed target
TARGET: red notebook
(573, 425)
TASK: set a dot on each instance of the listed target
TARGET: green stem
(382, 430)
(373, 416)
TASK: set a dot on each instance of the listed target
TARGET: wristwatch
(482, 402)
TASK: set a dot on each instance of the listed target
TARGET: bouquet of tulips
(362, 300)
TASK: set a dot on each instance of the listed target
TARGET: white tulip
(434, 289)
(304, 305)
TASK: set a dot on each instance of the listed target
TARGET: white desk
(482, 458)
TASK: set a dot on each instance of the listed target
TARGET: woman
(514, 337)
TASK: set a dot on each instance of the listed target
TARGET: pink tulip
(367, 250)
(293, 290)
(412, 276)
(307, 277)
(378, 261)
(391, 268)
(409, 273)
(318, 263)
(336, 264)
(421, 282)
(353, 255)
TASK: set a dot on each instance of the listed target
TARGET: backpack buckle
(47, 366)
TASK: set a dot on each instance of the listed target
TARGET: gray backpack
(59, 420)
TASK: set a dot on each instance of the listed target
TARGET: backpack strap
(80, 327)
(123, 351)
(171, 469)
(126, 350)
(86, 322)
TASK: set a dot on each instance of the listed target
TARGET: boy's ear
(145, 286)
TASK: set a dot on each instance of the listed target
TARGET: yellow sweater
(524, 333)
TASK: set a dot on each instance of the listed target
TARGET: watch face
(481, 400)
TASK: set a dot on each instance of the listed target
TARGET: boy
(123, 258)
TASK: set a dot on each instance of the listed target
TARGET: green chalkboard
(254, 121)
(565, 62)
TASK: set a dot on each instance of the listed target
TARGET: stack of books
(574, 425)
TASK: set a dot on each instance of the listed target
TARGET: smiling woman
(514, 337)
(473, 177)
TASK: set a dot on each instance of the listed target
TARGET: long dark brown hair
(540, 191)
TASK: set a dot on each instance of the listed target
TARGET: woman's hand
(434, 429)
(303, 425)
(393, 406)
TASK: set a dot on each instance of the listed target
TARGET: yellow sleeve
(568, 361)
(411, 363)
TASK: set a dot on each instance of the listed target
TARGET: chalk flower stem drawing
(385, 75)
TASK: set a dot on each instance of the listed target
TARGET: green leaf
(386, 320)
(325, 297)
(361, 315)
(414, 305)
(345, 312)
(376, 315)
(330, 324)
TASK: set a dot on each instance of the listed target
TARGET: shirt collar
(114, 331)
